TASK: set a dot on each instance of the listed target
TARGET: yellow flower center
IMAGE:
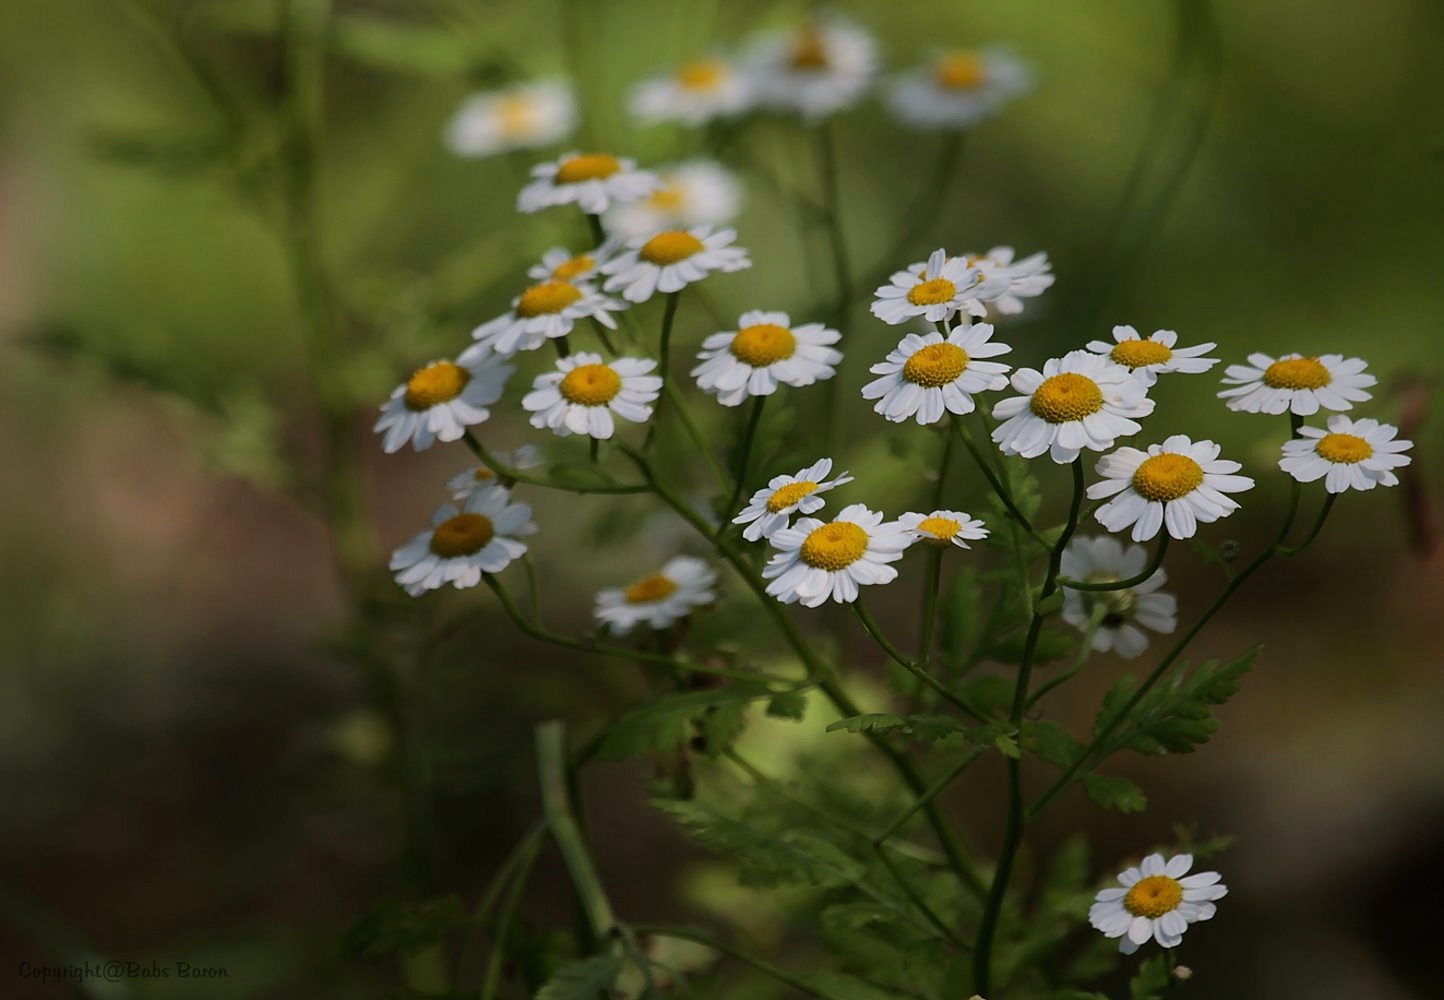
(649, 589)
(809, 51)
(670, 247)
(591, 385)
(666, 199)
(1297, 373)
(790, 494)
(462, 535)
(482, 474)
(763, 344)
(1066, 397)
(941, 528)
(703, 74)
(517, 115)
(932, 293)
(435, 384)
(569, 269)
(1153, 896)
(1141, 353)
(1167, 477)
(834, 546)
(587, 167)
(1345, 448)
(960, 71)
(936, 365)
(547, 298)
(1118, 605)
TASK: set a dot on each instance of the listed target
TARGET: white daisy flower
(546, 310)
(1353, 455)
(524, 116)
(1103, 559)
(1006, 282)
(936, 291)
(659, 599)
(560, 264)
(480, 537)
(1149, 357)
(583, 393)
(944, 527)
(1156, 901)
(440, 400)
(479, 477)
(1296, 384)
(1177, 483)
(1077, 401)
(766, 350)
(958, 89)
(768, 510)
(592, 181)
(926, 375)
(821, 67)
(694, 193)
(817, 561)
(671, 260)
(693, 94)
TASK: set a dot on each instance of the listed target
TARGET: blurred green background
(192, 758)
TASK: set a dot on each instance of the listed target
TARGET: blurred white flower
(957, 89)
(592, 181)
(658, 599)
(694, 193)
(694, 93)
(523, 116)
(817, 69)
(479, 477)
(1103, 559)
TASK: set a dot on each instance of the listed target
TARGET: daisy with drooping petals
(479, 477)
(442, 399)
(546, 311)
(821, 67)
(1077, 401)
(927, 375)
(560, 264)
(672, 260)
(958, 89)
(584, 392)
(1296, 384)
(694, 94)
(944, 527)
(766, 350)
(1158, 900)
(695, 193)
(1177, 483)
(1006, 283)
(480, 537)
(1149, 357)
(1352, 455)
(768, 510)
(935, 291)
(658, 599)
(592, 181)
(1103, 559)
(817, 561)
(521, 117)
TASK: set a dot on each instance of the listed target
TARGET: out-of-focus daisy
(1177, 483)
(524, 116)
(1297, 384)
(927, 375)
(769, 509)
(766, 350)
(1006, 283)
(694, 93)
(560, 264)
(1158, 900)
(671, 260)
(480, 537)
(1077, 401)
(547, 310)
(442, 399)
(592, 181)
(695, 193)
(935, 291)
(817, 561)
(583, 393)
(944, 527)
(819, 68)
(670, 961)
(1149, 357)
(658, 599)
(1103, 559)
(958, 89)
(1352, 455)
(479, 477)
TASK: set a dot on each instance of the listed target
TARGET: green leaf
(1052, 743)
(927, 728)
(1151, 979)
(666, 722)
(579, 475)
(1109, 792)
(1175, 716)
(1050, 604)
(990, 695)
(787, 705)
(721, 725)
(582, 980)
(767, 857)
(1007, 745)
(1053, 645)
(396, 927)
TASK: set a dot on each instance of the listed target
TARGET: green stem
(717, 944)
(1084, 651)
(599, 234)
(604, 336)
(510, 477)
(875, 632)
(748, 436)
(1002, 491)
(1132, 581)
(523, 860)
(552, 772)
(827, 154)
(1293, 550)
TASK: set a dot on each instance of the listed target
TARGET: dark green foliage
(1151, 981)
(582, 980)
(396, 927)
(1174, 717)
(768, 855)
(927, 728)
(1111, 792)
(669, 721)
(787, 705)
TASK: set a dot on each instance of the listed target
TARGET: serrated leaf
(1052, 743)
(721, 725)
(1151, 980)
(1111, 792)
(582, 980)
(665, 723)
(787, 705)
(767, 858)
(927, 728)
(1007, 745)
(1174, 717)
